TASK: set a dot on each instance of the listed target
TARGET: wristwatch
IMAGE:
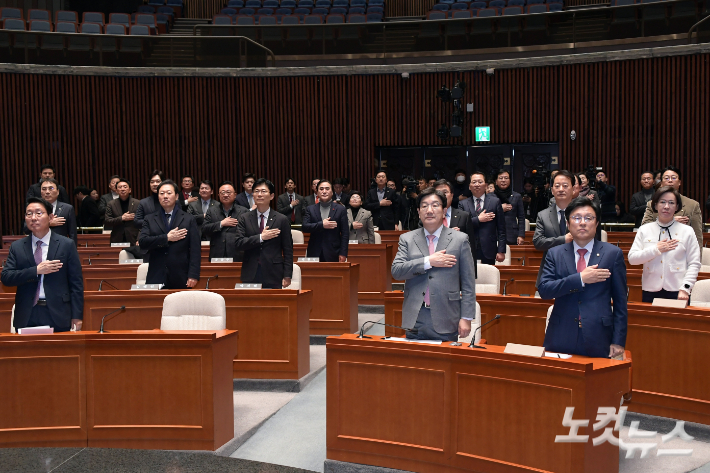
(687, 288)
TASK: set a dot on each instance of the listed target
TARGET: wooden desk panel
(6, 302)
(460, 431)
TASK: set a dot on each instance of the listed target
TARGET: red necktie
(261, 224)
(317, 202)
(293, 211)
(581, 264)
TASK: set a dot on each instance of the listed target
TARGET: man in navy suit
(328, 225)
(46, 269)
(587, 279)
(246, 198)
(64, 221)
(383, 203)
(488, 221)
(150, 204)
(172, 240)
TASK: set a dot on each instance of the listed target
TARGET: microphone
(101, 283)
(522, 258)
(362, 329)
(94, 254)
(473, 338)
(618, 242)
(86, 244)
(101, 330)
(505, 286)
(216, 276)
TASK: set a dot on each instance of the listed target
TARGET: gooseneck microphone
(101, 330)
(93, 254)
(216, 276)
(101, 284)
(473, 338)
(362, 329)
(505, 286)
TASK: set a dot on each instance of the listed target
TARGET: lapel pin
(597, 254)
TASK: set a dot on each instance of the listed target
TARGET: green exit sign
(483, 133)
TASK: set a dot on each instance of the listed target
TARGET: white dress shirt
(291, 198)
(266, 219)
(673, 269)
(588, 247)
(427, 264)
(45, 249)
(483, 201)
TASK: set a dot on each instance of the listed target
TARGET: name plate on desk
(527, 350)
(222, 260)
(120, 245)
(44, 330)
(303, 259)
(672, 303)
(204, 243)
(247, 286)
(146, 287)
(131, 261)
(352, 242)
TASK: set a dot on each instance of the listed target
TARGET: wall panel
(628, 116)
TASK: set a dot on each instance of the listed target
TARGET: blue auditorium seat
(374, 17)
(244, 20)
(555, 7)
(290, 20)
(288, 4)
(93, 17)
(455, 6)
(438, 7)
(255, 4)
(281, 12)
(35, 14)
(516, 3)
(357, 18)
(487, 12)
(335, 18)
(146, 9)
(115, 29)
(67, 27)
(357, 10)
(537, 8)
(380, 10)
(320, 11)
(457, 14)
(497, 4)
(358, 3)
(341, 3)
(478, 5)
(222, 20)
(339, 10)
(516, 10)
(246, 12)
(65, 15)
(271, 4)
(305, 4)
(313, 20)
(322, 3)
(264, 11)
(10, 13)
(235, 4)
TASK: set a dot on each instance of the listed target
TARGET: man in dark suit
(89, 215)
(339, 195)
(188, 194)
(46, 172)
(172, 240)
(551, 225)
(587, 279)
(383, 203)
(488, 221)
(220, 224)
(291, 204)
(513, 211)
(120, 214)
(246, 199)
(201, 206)
(46, 269)
(328, 225)
(265, 238)
(311, 199)
(640, 200)
(64, 221)
(106, 198)
(150, 204)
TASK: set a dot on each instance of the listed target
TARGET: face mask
(461, 179)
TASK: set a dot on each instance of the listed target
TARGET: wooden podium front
(124, 389)
(439, 408)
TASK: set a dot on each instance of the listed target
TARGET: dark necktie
(168, 217)
(205, 206)
(38, 260)
(478, 206)
(293, 211)
(563, 223)
(261, 224)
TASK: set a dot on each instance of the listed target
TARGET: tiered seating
(481, 8)
(251, 12)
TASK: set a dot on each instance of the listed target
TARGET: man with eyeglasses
(46, 269)
(64, 221)
(120, 214)
(587, 279)
(106, 198)
(188, 193)
(46, 172)
(487, 219)
(150, 204)
(437, 267)
(640, 200)
(201, 206)
(220, 224)
(689, 214)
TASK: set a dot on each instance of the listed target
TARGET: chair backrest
(527, 225)
(705, 257)
(65, 15)
(335, 18)
(379, 9)
(145, 19)
(146, 9)
(313, 20)
(228, 11)
(604, 236)
(339, 10)
(322, 12)
(166, 11)
(235, 4)
(12, 319)
(555, 7)
(538, 8)
(341, 3)
(142, 273)
(435, 15)
(440, 7)
(295, 278)
(305, 3)
(378, 238)
(194, 310)
(93, 17)
(253, 4)
(265, 11)
(91, 28)
(283, 11)
(461, 14)
(488, 280)
(120, 18)
(357, 18)
(297, 237)
(40, 25)
(512, 11)
(455, 6)
(374, 17)
(245, 20)
(221, 20)
(65, 27)
(8, 12)
(115, 29)
(484, 12)
(357, 10)
(701, 292)
(267, 20)
(290, 20)
(475, 323)
(123, 256)
(13, 24)
(288, 4)
(247, 12)
(478, 5)
(506, 261)
(38, 15)
(139, 30)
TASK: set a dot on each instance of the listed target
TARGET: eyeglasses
(226, 192)
(38, 214)
(261, 191)
(561, 186)
(45, 189)
(434, 206)
(663, 203)
(670, 178)
(579, 218)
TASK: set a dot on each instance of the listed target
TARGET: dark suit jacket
(68, 229)
(195, 209)
(146, 207)
(490, 236)
(283, 205)
(35, 190)
(193, 193)
(103, 203)
(515, 220)
(89, 215)
(121, 231)
(275, 256)
(171, 263)
(223, 240)
(326, 244)
(345, 199)
(64, 290)
(638, 207)
(385, 218)
(307, 202)
(242, 200)
(601, 325)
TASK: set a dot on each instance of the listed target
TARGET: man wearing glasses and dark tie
(220, 224)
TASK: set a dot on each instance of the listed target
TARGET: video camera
(539, 177)
(410, 184)
(591, 173)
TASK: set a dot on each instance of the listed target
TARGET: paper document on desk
(557, 355)
(430, 342)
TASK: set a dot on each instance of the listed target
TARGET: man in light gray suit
(437, 266)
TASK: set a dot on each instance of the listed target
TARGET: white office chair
(297, 237)
(604, 236)
(124, 256)
(194, 310)
(142, 273)
(527, 225)
(701, 294)
(295, 278)
(488, 280)
(12, 319)
(705, 258)
(378, 238)
(506, 261)
(705, 268)
(475, 323)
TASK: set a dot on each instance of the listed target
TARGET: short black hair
(123, 179)
(169, 182)
(443, 182)
(226, 183)
(47, 166)
(325, 180)
(653, 174)
(290, 179)
(269, 185)
(159, 173)
(480, 173)
(208, 183)
(82, 189)
(431, 191)
(337, 181)
(345, 180)
(565, 173)
(51, 180)
(39, 200)
(501, 171)
(381, 171)
(579, 202)
(662, 190)
(115, 176)
(673, 169)
(187, 175)
(460, 171)
(359, 194)
(248, 175)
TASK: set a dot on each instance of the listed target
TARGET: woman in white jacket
(668, 250)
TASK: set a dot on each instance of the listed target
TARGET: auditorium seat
(294, 34)
(297, 237)
(487, 12)
(93, 17)
(488, 280)
(281, 12)
(116, 29)
(141, 273)
(437, 7)
(120, 19)
(429, 31)
(36, 14)
(527, 225)
(111, 44)
(139, 30)
(604, 236)
(537, 8)
(554, 7)
(271, 4)
(339, 11)
(176, 5)
(381, 10)
(512, 11)
(305, 4)
(245, 12)
(91, 28)
(701, 294)
(11, 13)
(295, 278)
(341, 3)
(65, 27)
(235, 4)
(65, 15)
(357, 10)
(506, 260)
(374, 17)
(475, 6)
(321, 11)
(255, 4)
(221, 20)
(475, 323)
(497, 4)
(288, 4)
(230, 12)
(357, 18)
(146, 9)
(194, 310)
(149, 21)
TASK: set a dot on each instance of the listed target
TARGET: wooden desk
(147, 390)
(272, 324)
(438, 408)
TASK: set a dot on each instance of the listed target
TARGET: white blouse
(673, 269)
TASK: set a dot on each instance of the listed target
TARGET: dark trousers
(647, 296)
(483, 259)
(579, 349)
(259, 279)
(425, 329)
(40, 316)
